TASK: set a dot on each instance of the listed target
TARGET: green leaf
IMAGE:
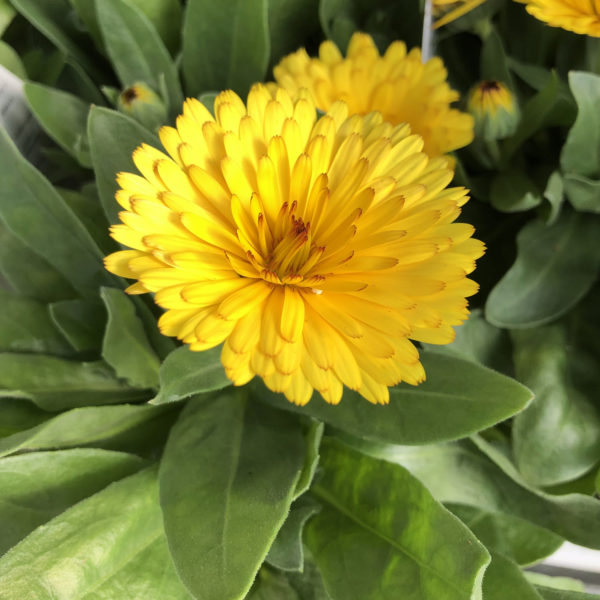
(581, 152)
(225, 46)
(10, 60)
(81, 323)
(34, 488)
(25, 326)
(185, 373)
(39, 280)
(221, 521)
(271, 585)
(503, 579)
(515, 538)
(208, 99)
(380, 534)
(533, 116)
(58, 384)
(286, 552)
(97, 426)
(312, 437)
(49, 17)
(63, 117)
(291, 22)
(107, 533)
(166, 17)
(493, 61)
(554, 193)
(125, 346)
(583, 193)
(555, 266)
(136, 50)
(481, 342)
(17, 414)
(513, 191)
(550, 594)
(458, 398)
(459, 474)
(308, 584)
(7, 13)
(558, 583)
(557, 438)
(113, 137)
(35, 212)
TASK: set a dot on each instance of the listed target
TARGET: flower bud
(144, 105)
(494, 109)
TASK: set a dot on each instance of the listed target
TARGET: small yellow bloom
(580, 16)
(313, 250)
(494, 108)
(396, 84)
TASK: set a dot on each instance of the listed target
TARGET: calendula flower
(396, 84)
(580, 16)
(313, 250)
(494, 109)
(450, 10)
(143, 104)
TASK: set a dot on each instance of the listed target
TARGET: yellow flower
(312, 249)
(580, 16)
(494, 108)
(397, 84)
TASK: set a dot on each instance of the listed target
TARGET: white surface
(569, 556)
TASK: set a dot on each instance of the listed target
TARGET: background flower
(312, 249)
(580, 16)
(396, 84)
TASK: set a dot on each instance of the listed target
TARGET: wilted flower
(495, 110)
(396, 84)
(312, 249)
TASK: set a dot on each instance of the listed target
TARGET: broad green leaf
(583, 193)
(559, 583)
(63, 117)
(49, 17)
(308, 584)
(86, 11)
(291, 22)
(17, 414)
(503, 579)
(58, 384)
(459, 474)
(136, 50)
(7, 13)
(162, 344)
(515, 538)
(185, 373)
(39, 280)
(286, 552)
(220, 521)
(555, 266)
(97, 426)
(106, 533)
(36, 487)
(312, 437)
(581, 152)
(125, 346)
(271, 585)
(166, 17)
(225, 46)
(35, 212)
(25, 326)
(558, 437)
(533, 116)
(10, 60)
(380, 534)
(208, 99)
(493, 60)
(514, 191)
(81, 323)
(458, 398)
(550, 594)
(481, 342)
(113, 137)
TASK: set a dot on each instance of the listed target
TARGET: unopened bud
(494, 109)
(144, 105)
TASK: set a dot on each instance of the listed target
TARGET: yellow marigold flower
(580, 16)
(495, 110)
(312, 249)
(396, 84)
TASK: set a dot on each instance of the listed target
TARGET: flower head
(580, 16)
(311, 249)
(494, 109)
(396, 84)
